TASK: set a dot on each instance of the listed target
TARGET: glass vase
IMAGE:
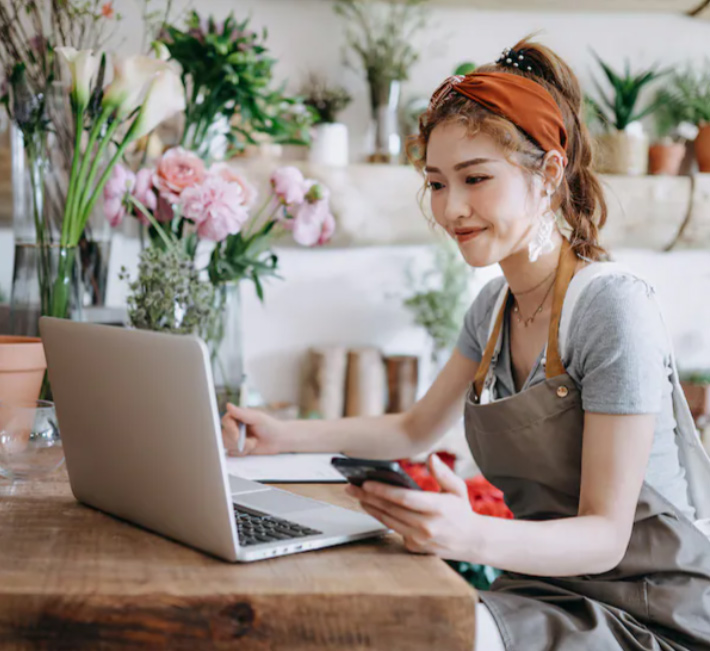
(225, 342)
(384, 102)
(46, 281)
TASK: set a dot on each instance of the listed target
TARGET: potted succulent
(688, 97)
(673, 131)
(623, 147)
(330, 138)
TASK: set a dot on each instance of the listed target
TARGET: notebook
(286, 468)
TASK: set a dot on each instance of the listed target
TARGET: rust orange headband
(522, 101)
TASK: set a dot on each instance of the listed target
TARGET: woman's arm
(614, 456)
(392, 436)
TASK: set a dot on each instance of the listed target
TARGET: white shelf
(378, 205)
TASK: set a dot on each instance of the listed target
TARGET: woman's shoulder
(614, 306)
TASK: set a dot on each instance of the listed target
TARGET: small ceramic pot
(22, 367)
(666, 158)
(702, 148)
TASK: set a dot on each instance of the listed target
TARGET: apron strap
(485, 364)
(565, 271)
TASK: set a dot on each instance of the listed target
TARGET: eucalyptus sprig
(618, 110)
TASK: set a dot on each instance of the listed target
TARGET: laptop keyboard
(258, 528)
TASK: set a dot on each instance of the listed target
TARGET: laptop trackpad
(278, 502)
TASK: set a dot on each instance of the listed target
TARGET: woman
(602, 553)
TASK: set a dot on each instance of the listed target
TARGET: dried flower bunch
(168, 295)
(326, 100)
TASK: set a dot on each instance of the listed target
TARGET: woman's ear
(553, 169)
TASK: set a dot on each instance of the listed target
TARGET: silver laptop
(141, 434)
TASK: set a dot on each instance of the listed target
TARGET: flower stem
(170, 242)
(89, 205)
(78, 182)
(72, 189)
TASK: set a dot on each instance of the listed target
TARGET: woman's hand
(430, 523)
(264, 433)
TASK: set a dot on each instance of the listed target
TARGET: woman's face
(487, 204)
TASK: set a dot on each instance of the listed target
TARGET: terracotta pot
(702, 148)
(665, 158)
(622, 153)
(22, 367)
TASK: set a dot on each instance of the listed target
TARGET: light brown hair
(580, 197)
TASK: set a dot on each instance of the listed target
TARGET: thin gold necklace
(529, 320)
(540, 284)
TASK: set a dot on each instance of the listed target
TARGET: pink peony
(178, 170)
(289, 185)
(328, 229)
(143, 192)
(216, 207)
(308, 222)
(229, 174)
(119, 185)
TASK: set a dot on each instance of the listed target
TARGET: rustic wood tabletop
(74, 578)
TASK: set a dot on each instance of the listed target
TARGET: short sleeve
(473, 335)
(620, 347)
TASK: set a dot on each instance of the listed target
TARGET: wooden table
(74, 578)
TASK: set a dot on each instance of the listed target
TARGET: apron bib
(657, 598)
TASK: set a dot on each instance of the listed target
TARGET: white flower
(131, 78)
(165, 98)
(83, 66)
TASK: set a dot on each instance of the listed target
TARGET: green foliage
(168, 295)
(440, 299)
(381, 35)
(327, 101)
(239, 257)
(479, 576)
(228, 72)
(619, 109)
(465, 68)
(686, 98)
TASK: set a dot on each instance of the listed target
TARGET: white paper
(276, 468)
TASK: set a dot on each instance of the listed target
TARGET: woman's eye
(435, 185)
(473, 180)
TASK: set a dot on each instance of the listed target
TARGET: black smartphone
(357, 471)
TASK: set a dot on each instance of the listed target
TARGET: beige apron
(529, 445)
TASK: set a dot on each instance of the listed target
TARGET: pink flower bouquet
(182, 199)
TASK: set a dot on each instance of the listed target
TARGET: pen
(242, 402)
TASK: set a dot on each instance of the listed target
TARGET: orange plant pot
(665, 159)
(22, 367)
(702, 148)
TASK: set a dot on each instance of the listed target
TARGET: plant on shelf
(325, 100)
(624, 145)
(381, 37)
(685, 100)
(440, 298)
(330, 137)
(228, 74)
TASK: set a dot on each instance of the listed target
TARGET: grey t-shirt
(617, 353)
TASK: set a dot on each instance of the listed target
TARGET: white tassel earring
(542, 242)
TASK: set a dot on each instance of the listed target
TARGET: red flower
(107, 9)
(485, 498)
